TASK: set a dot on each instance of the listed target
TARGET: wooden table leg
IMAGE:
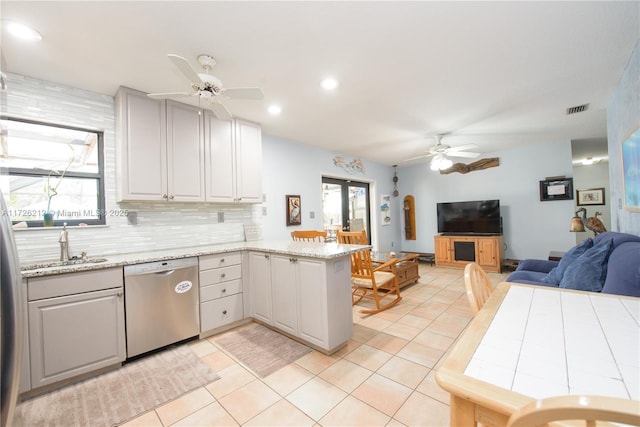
(462, 412)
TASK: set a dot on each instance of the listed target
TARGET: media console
(459, 250)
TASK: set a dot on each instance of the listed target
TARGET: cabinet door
(487, 252)
(249, 162)
(185, 153)
(443, 249)
(260, 284)
(283, 291)
(142, 167)
(75, 334)
(220, 159)
(313, 301)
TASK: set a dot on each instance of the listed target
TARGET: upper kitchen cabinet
(233, 151)
(161, 149)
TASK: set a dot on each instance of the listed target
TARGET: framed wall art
(556, 188)
(630, 168)
(294, 210)
(592, 196)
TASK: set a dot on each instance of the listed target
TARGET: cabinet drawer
(220, 290)
(219, 260)
(73, 283)
(219, 275)
(221, 311)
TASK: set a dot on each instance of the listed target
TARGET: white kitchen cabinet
(221, 299)
(260, 282)
(309, 298)
(76, 324)
(233, 160)
(161, 149)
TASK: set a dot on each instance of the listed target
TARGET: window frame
(99, 177)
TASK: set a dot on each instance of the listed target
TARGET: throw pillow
(588, 272)
(554, 277)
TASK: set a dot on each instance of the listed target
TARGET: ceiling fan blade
(468, 154)
(220, 111)
(419, 157)
(186, 68)
(244, 93)
(169, 95)
(463, 147)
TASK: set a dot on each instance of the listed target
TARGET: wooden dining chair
(371, 282)
(478, 285)
(587, 409)
(309, 236)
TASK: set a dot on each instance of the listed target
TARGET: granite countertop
(302, 249)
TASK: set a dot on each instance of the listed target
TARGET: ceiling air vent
(577, 109)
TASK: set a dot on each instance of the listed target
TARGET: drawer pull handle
(119, 294)
(224, 290)
(221, 260)
(223, 275)
(224, 312)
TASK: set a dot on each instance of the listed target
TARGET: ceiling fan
(441, 151)
(207, 87)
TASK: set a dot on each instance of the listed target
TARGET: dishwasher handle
(160, 267)
(165, 273)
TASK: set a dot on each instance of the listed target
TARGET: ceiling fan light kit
(440, 162)
(208, 88)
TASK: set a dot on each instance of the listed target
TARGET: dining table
(530, 342)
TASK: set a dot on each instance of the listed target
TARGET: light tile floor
(384, 376)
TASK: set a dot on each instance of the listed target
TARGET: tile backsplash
(159, 225)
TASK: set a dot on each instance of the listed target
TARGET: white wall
(593, 176)
(623, 117)
(531, 228)
(291, 168)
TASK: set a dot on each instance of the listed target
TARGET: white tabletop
(544, 343)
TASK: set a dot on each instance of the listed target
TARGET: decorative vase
(48, 219)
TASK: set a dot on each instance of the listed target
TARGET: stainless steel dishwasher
(161, 303)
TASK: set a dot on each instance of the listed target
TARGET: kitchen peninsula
(300, 289)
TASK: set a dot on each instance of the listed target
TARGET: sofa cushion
(623, 272)
(529, 278)
(555, 275)
(616, 237)
(589, 270)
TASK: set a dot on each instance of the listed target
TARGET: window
(54, 170)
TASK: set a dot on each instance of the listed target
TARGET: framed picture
(592, 196)
(559, 188)
(294, 210)
(630, 167)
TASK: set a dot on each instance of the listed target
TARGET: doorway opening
(345, 206)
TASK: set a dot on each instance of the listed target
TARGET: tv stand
(459, 250)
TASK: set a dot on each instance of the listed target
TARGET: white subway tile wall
(159, 225)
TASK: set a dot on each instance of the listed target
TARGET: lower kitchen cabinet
(220, 290)
(260, 283)
(307, 298)
(76, 324)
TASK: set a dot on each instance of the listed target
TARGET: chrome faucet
(64, 243)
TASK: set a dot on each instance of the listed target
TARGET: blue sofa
(608, 263)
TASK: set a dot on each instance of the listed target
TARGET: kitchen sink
(49, 264)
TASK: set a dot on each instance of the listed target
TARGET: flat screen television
(472, 217)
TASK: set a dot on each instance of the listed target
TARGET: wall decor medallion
(354, 166)
(294, 210)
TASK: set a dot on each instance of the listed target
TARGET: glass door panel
(345, 206)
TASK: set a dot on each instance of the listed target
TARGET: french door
(345, 205)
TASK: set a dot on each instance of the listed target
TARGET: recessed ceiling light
(329, 83)
(21, 31)
(274, 109)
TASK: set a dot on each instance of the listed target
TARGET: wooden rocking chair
(369, 282)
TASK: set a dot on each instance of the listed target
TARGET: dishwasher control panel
(159, 266)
